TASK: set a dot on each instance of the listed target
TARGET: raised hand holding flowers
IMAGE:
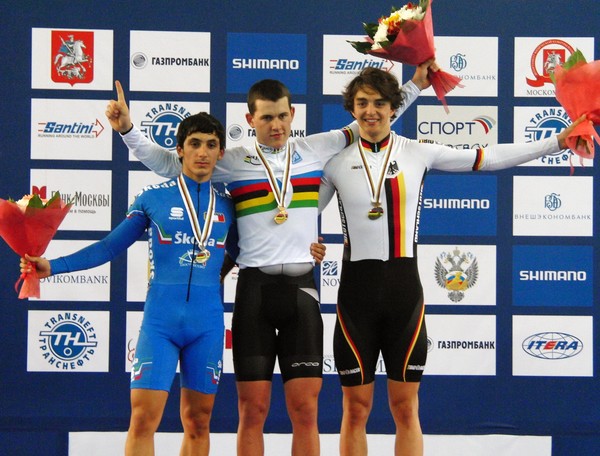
(406, 36)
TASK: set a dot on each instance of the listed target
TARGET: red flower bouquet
(577, 85)
(28, 226)
(406, 36)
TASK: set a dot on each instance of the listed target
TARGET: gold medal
(281, 216)
(375, 213)
(202, 256)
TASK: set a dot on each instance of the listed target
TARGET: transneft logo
(552, 345)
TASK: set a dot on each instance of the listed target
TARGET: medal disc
(281, 216)
(202, 256)
(375, 213)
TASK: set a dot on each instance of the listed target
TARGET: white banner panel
(87, 285)
(553, 346)
(461, 345)
(553, 206)
(458, 274)
(70, 130)
(169, 61)
(67, 341)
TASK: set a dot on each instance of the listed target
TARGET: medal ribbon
(375, 190)
(278, 193)
(201, 234)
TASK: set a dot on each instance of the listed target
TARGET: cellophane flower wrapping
(577, 89)
(28, 226)
(408, 40)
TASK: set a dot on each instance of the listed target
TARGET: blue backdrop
(38, 409)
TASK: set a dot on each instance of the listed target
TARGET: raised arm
(117, 112)
(160, 160)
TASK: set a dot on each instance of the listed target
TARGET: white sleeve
(326, 192)
(493, 158)
(411, 93)
(504, 156)
(160, 160)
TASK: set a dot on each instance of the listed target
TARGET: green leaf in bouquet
(361, 46)
(576, 58)
(36, 202)
(371, 28)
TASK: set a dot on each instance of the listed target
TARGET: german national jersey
(394, 234)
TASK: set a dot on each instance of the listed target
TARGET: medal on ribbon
(278, 193)
(375, 188)
(201, 234)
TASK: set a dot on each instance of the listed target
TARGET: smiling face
(199, 155)
(373, 114)
(272, 121)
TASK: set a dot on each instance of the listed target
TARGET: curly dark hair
(374, 79)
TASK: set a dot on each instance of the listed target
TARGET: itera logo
(552, 345)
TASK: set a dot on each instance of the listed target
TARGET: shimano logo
(456, 203)
(265, 64)
(567, 276)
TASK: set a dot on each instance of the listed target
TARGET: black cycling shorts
(380, 309)
(276, 316)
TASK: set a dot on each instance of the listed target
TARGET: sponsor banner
(68, 59)
(329, 367)
(138, 271)
(552, 206)
(465, 127)
(69, 130)
(331, 223)
(341, 63)
(87, 285)
(553, 275)
(169, 61)
(88, 190)
(167, 443)
(255, 56)
(463, 274)
(541, 122)
(239, 133)
(461, 345)
(67, 341)
(133, 322)
(140, 179)
(229, 285)
(158, 120)
(331, 272)
(459, 205)
(228, 354)
(553, 346)
(474, 59)
(536, 57)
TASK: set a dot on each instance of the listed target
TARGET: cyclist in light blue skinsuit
(187, 221)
